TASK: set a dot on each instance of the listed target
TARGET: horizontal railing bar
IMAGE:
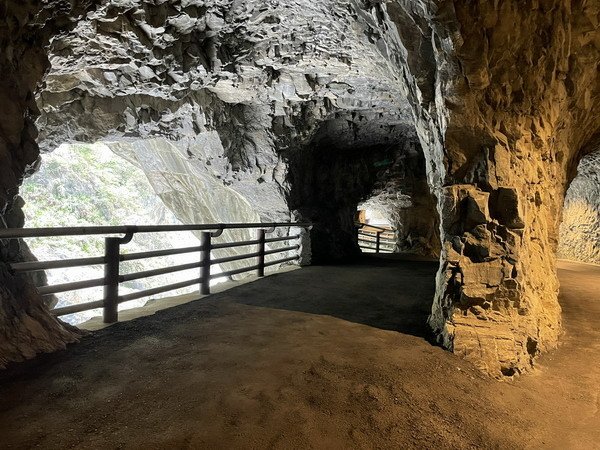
(374, 239)
(282, 249)
(381, 238)
(234, 258)
(374, 226)
(374, 247)
(279, 261)
(155, 253)
(372, 236)
(32, 266)
(75, 286)
(381, 241)
(253, 242)
(158, 290)
(234, 244)
(233, 272)
(77, 308)
(155, 272)
(391, 249)
(14, 233)
(375, 233)
(282, 238)
(254, 255)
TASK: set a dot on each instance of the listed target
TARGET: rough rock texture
(402, 196)
(194, 196)
(26, 327)
(87, 185)
(295, 104)
(235, 85)
(506, 101)
(579, 238)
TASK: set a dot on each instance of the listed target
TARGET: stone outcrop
(194, 196)
(234, 85)
(237, 87)
(295, 104)
(26, 327)
(506, 101)
(579, 238)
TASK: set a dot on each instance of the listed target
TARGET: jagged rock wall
(579, 238)
(194, 196)
(402, 196)
(234, 84)
(327, 183)
(503, 98)
(506, 101)
(26, 327)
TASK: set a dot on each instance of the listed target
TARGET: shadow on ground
(306, 359)
(390, 294)
(385, 293)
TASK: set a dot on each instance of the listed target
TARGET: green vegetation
(90, 185)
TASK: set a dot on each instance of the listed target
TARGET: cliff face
(308, 108)
(580, 227)
(234, 85)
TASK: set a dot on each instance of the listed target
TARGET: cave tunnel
(579, 232)
(401, 200)
(363, 160)
(471, 128)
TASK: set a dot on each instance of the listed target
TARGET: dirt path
(282, 363)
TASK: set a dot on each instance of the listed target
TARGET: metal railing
(113, 257)
(378, 239)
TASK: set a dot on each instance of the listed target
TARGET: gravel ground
(324, 357)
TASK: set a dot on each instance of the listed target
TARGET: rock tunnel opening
(93, 185)
(402, 200)
(373, 168)
(497, 118)
(579, 235)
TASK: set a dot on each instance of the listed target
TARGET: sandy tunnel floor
(324, 357)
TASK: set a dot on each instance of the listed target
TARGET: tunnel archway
(579, 238)
(371, 166)
(401, 198)
(498, 119)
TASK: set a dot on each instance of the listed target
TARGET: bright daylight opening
(85, 185)
(580, 228)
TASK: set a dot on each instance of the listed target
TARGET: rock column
(26, 325)
(505, 98)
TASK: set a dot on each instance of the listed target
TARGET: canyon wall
(238, 87)
(26, 327)
(579, 238)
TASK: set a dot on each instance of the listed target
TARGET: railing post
(377, 241)
(205, 248)
(112, 247)
(261, 252)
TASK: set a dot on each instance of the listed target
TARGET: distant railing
(378, 239)
(113, 257)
